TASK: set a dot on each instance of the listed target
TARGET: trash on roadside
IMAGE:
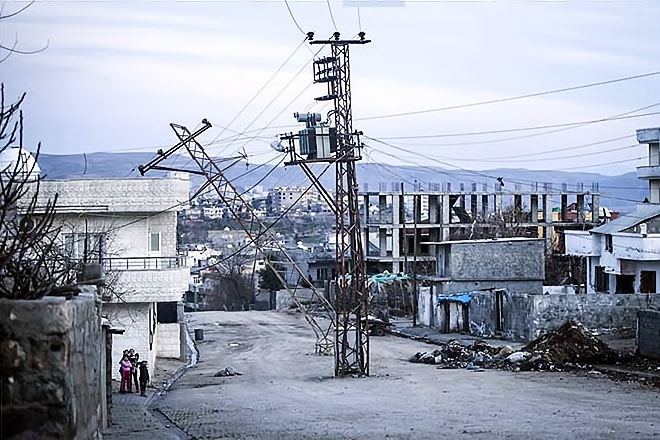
(227, 371)
(572, 346)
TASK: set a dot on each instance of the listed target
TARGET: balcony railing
(143, 263)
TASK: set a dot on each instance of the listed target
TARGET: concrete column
(517, 206)
(498, 203)
(595, 207)
(382, 208)
(473, 206)
(579, 201)
(396, 209)
(396, 242)
(484, 206)
(382, 241)
(563, 215)
(547, 218)
(433, 209)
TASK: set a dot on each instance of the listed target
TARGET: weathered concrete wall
(648, 333)
(50, 362)
(425, 307)
(169, 340)
(513, 259)
(525, 317)
(521, 286)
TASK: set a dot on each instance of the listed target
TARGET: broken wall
(51, 365)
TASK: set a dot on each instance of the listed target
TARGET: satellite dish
(277, 146)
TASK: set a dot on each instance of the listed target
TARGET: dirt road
(287, 392)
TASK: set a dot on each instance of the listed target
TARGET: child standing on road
(144, 378)
(125, 367)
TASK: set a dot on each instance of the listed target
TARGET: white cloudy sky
(116, 73)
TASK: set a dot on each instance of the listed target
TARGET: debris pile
(571, 346)
(227, 371)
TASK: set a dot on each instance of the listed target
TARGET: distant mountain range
(617, 192)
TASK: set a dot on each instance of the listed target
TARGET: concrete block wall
(648, 333)
(508, 259)
(169, 340)
(50, 362)
(525, 317)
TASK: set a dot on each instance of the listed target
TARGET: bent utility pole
(340, 145)
(259, 234)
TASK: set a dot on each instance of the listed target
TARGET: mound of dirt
(572, 343)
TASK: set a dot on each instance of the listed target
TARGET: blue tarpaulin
(463, 297)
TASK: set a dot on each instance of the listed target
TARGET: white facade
(131, 224)
(620, 262)
(624, 254)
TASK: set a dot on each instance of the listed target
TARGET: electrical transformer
(318, 142)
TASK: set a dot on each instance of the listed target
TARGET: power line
(543, 152)
(294, 18)
(512, 98)
(332, 17)
(538, 127)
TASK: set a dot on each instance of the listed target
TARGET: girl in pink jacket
(125, 366)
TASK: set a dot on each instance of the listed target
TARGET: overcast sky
(115, 74)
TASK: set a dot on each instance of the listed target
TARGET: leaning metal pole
(259, 234)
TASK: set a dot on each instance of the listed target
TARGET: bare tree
(228, 286)
(31, 264)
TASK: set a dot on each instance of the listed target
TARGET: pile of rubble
(571, 346)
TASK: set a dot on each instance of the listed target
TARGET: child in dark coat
(144, 378)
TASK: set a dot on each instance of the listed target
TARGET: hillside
(617, 192)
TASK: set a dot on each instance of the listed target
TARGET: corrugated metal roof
(643, 212)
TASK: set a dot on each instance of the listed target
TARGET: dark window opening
(602, 280)
(608, 243)
(167, 312)
(647, 281)
(625, 284)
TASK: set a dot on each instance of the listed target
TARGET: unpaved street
(286, 392)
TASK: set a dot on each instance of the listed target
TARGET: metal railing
(143, 263)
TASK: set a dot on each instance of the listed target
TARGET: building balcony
(143, 263)
(145, 279)
(648, 172)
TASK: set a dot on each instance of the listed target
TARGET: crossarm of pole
(162, 155)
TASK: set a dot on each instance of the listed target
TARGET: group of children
(129, 366)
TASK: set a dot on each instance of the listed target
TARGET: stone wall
(525, 317)
(50, 362)
(648, 333)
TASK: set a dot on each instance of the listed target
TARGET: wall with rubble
(648, 333)
(51, 365)
(525, 317)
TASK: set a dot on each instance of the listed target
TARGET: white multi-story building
(129, 225)
(283, 197)
(623, 255)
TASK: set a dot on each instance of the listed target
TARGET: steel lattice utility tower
(351, 294)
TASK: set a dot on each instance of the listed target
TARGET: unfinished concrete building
(404, 227)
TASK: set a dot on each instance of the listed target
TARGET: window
(166, 312)
(647, 281)
(602, 280)
(154, 242)
(608, 243)
(625, 284)
(84, 246)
